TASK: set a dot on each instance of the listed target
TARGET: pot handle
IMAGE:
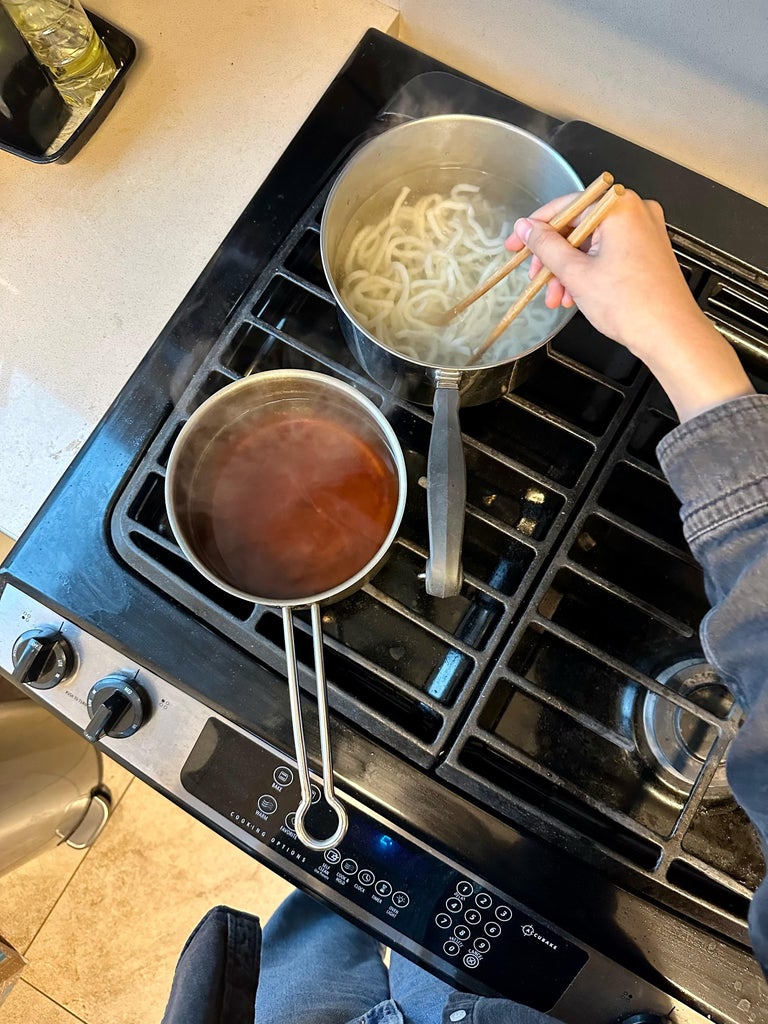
(325, 737)
(446, 489)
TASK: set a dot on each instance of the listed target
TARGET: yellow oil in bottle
(61, 36)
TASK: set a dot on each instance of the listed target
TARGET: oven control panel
(474, 929)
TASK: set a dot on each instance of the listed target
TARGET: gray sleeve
(717, 464)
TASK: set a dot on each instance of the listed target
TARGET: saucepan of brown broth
(415, 221)
(287, 489)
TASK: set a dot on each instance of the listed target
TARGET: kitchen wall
(689, 80)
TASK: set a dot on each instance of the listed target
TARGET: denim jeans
(316, 968)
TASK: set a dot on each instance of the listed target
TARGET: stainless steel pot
(184, 490)
(50, 784)
(462, 143)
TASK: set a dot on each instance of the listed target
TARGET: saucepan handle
(325, 738)
(446, 489)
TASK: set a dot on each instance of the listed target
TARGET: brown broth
(288, 505)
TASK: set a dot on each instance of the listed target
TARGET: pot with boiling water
(391, 181)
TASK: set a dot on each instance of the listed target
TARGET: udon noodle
(424, 256)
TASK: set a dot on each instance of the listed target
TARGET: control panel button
(316, 794)
(483, 900)
(471, 960)
(492, 929)
(451, 947)
(401, 899)
(443, 920)
(482, 945)
(366, 877)
(332, 856)
(383, 887)
(42, 658)
(473, 916)
(290, 821)
(503, 912)
(283, 775)
(454, 905)
(267, 804)
(465, 888)
(462, 932)
(349, 866)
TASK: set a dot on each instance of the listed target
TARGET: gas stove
(533, 769)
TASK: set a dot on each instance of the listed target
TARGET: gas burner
(677, 740)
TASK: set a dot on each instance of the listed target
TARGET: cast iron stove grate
(400, 664)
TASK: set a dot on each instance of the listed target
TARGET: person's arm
(717, 464)
(629, 286)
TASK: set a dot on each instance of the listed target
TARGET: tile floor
(102, 928)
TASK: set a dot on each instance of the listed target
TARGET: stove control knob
(42, 658)
(117, 707)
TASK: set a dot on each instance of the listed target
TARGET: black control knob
(117, 707)
(42, 658)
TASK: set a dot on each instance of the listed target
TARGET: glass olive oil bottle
(61, 36)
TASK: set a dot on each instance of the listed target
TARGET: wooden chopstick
(590, 194)
(577, 237)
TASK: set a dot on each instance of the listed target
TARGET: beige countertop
(96, 254)
(687, 81)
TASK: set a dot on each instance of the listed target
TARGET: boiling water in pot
(288, 502)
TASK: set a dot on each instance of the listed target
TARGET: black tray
(123, 51)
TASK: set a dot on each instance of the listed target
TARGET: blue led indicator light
(386, 842)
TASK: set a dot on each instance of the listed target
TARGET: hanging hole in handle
(328, 824)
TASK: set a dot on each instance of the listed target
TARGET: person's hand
(627, 260)
(629, 286)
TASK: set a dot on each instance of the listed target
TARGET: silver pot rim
(262, 379)
(339, 184)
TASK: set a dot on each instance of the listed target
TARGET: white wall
(686, 78)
